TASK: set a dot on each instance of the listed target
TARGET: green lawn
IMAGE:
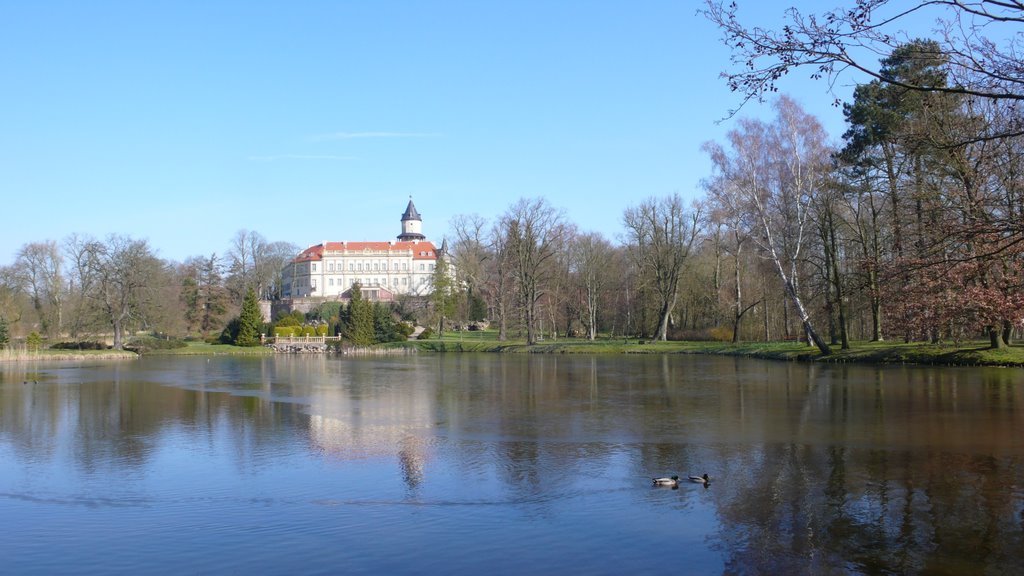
(974, 353)
(967, 354)
(204, 349)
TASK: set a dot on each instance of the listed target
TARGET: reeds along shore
(9, 355)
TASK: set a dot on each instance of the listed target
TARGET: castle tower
(412, 224)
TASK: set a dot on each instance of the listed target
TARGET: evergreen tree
(443, 295)
(358, 328)
(5, 335)
(250, 322)
(384, 328)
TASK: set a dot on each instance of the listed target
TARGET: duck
(672, 481)
(701, 479)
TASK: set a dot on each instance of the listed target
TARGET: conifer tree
(250, 322)
(359, 328)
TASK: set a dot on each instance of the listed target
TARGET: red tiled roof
(422, 250)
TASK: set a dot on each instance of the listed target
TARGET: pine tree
(5, 335)
(359, 326)
(442, 297)
(250, 321)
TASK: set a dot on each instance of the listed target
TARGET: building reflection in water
(394, 421)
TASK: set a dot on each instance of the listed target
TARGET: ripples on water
(461, 464)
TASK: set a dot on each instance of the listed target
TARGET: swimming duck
(700, 479)
(671, 481)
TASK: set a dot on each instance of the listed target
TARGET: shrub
(33, 342)
(82, 345)
(284, 331)
(142, 344)
(426, 334)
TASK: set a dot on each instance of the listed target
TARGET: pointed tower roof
(411, 213)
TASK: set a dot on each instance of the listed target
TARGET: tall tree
(443, 293)
(534, 231)
(83, 270)
(779, 169)
(203, 294)
(728, 211)
(40, 267)
(126, 272)
(590, 256)
(250, 321)
(358, 326)
(661, 233)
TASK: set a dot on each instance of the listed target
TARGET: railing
(302, 339)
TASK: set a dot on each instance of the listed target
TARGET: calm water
(508, 464)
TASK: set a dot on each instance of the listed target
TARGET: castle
(383, 269)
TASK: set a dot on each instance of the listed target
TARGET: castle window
(314, 267)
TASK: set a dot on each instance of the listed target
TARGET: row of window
(370, 282)
(311, 282)
(365, 266)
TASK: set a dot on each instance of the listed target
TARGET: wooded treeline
(81, 287)
(911, 227)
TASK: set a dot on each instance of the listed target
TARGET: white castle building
(383, 269)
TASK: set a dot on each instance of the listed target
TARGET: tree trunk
(995, 337)
(1007, 332)
(876, 308)
(837, 281)
(666, 313)
(805, 318)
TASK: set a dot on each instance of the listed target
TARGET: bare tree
(275, 255)
(126, 273)
(661, 234)
(728, 210)
(590, 256)
(779, 169)
(534, 231)
(470, 251)
(81, 253)
(40, 268)
(980, 39)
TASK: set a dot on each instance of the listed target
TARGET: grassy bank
(967, 354)
(204, 349)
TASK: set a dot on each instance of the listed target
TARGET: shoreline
(973, 354)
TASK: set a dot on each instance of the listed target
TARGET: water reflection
(816, 469)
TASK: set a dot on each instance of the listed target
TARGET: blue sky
(183, 122)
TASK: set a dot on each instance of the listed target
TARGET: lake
(508, 464)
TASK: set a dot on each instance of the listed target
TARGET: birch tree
(778, 169)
